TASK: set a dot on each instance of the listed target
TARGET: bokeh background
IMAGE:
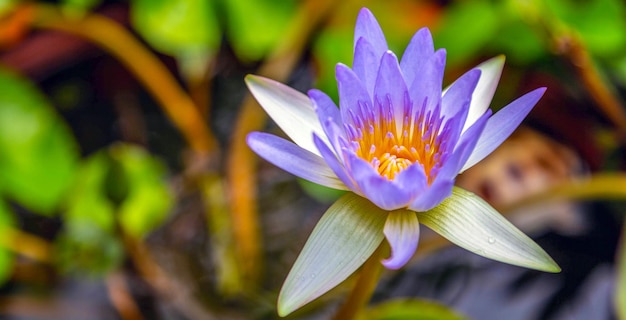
(127, 190)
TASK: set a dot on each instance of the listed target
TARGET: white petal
(292, 110)
(468, 221)
(486, 87)
(342, 241)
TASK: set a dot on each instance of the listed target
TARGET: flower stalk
(364, 287)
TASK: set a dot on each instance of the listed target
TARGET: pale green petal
(292, 111)
(343, 239)
(468, 221)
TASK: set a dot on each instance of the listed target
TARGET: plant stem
(148, 69)
(25, 244)
(364, 287)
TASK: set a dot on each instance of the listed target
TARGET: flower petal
(486, 87)
(412, 179)
(468, 221)
(346, 235)
(291, 110)
(353, 97)
(366, 63)
(465, 147)
(293, 159)
(390, 91)
(427, 82)
(324, 106)
(382, 192)
(433, 195)
(367, 27)
(416, 54)
(502, 124)
(331, 160)
(458, 93)
(402, 231)
(441, 188)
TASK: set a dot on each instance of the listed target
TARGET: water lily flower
(397, 142)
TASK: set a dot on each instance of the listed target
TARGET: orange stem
(148, 69)
(241, 161)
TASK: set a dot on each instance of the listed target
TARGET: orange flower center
(391, 148)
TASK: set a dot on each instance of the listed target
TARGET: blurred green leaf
(410, 309)
(331, 47)
(125, 181)
(600, 23)
(38, 154)
(88, 203)
(85, 248)
(466, 27)
(519, 43)
(6, 257)
(148, 200)
(319, 192)
(177, 28)
(7, 5)
(254, 27)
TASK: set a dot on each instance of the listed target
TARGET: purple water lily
(397, 140)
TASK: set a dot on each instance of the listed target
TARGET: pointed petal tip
(468, 221)
(283, 308)
(253, 79)
(552, 267)
(365, 12)
(542, 90)
(402, 232)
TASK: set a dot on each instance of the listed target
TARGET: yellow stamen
(390, 150)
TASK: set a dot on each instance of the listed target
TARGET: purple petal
(433, 196)
(390, 91)
(366, 63)
(336, 137)
(324, 106)
(331, 160)
(367, 27)
(450, 169)
(465, 147)
(416, 54)
(441, 187)
(502, 124)
(329, 117)
(458, 93)
(451, 131)
(352, 95)
(412, 179)
(382, 192)
(428, 81)
(293, 159)
(402, 231)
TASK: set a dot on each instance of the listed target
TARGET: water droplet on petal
(491, 240)
(313, 276)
